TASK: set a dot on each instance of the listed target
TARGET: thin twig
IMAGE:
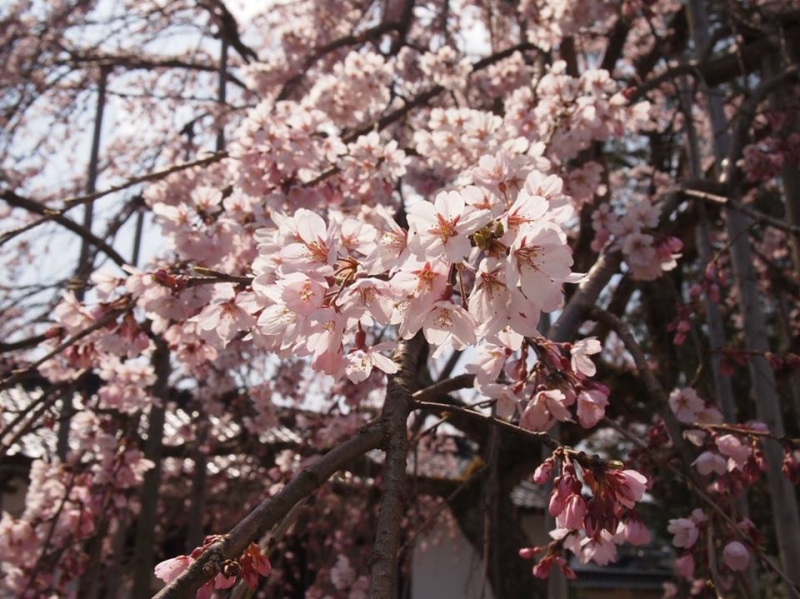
(20, 374)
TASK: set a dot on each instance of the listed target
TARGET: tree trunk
(148, 514)
(782, 494)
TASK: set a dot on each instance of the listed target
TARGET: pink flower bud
(736, 556)
(528, 552)
(685, 565)
(543, 473)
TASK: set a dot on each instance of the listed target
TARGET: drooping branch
(18, 375)
(762, 378)
(12, 199)
(544, 438)
(652, 385)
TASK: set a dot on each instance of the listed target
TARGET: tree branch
(17, 201)
(70, 203)
(383, 562)
(654, 388)
(272, 510)
(585, 297)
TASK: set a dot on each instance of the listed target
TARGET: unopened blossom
(574, 511)
(542, 569)
(684, 565)
(736, 556)
(543, 472)
(444, 227)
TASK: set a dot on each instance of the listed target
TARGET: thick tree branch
(585, 297)
(756, 215)
(383, 563)
(714, 71)
(272, 510)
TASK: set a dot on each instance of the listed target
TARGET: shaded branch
(70, 203)
(654, 388)
(81, 231)
(714, 71)
(489, 419)
(756, 215)
(272, 510)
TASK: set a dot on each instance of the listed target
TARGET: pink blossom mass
(348, 298)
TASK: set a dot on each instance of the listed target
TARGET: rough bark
(396, 409)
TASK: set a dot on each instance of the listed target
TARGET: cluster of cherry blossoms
(764, 159)
(64, 505)
(591, 529)
(647, 253)
(732, 452)
(248, 567)
(472, 267)
(730, 461)
(689, 535)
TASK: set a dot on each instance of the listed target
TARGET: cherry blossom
(685, 532)
(443, 227)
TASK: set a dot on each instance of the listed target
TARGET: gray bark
(762, 378)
